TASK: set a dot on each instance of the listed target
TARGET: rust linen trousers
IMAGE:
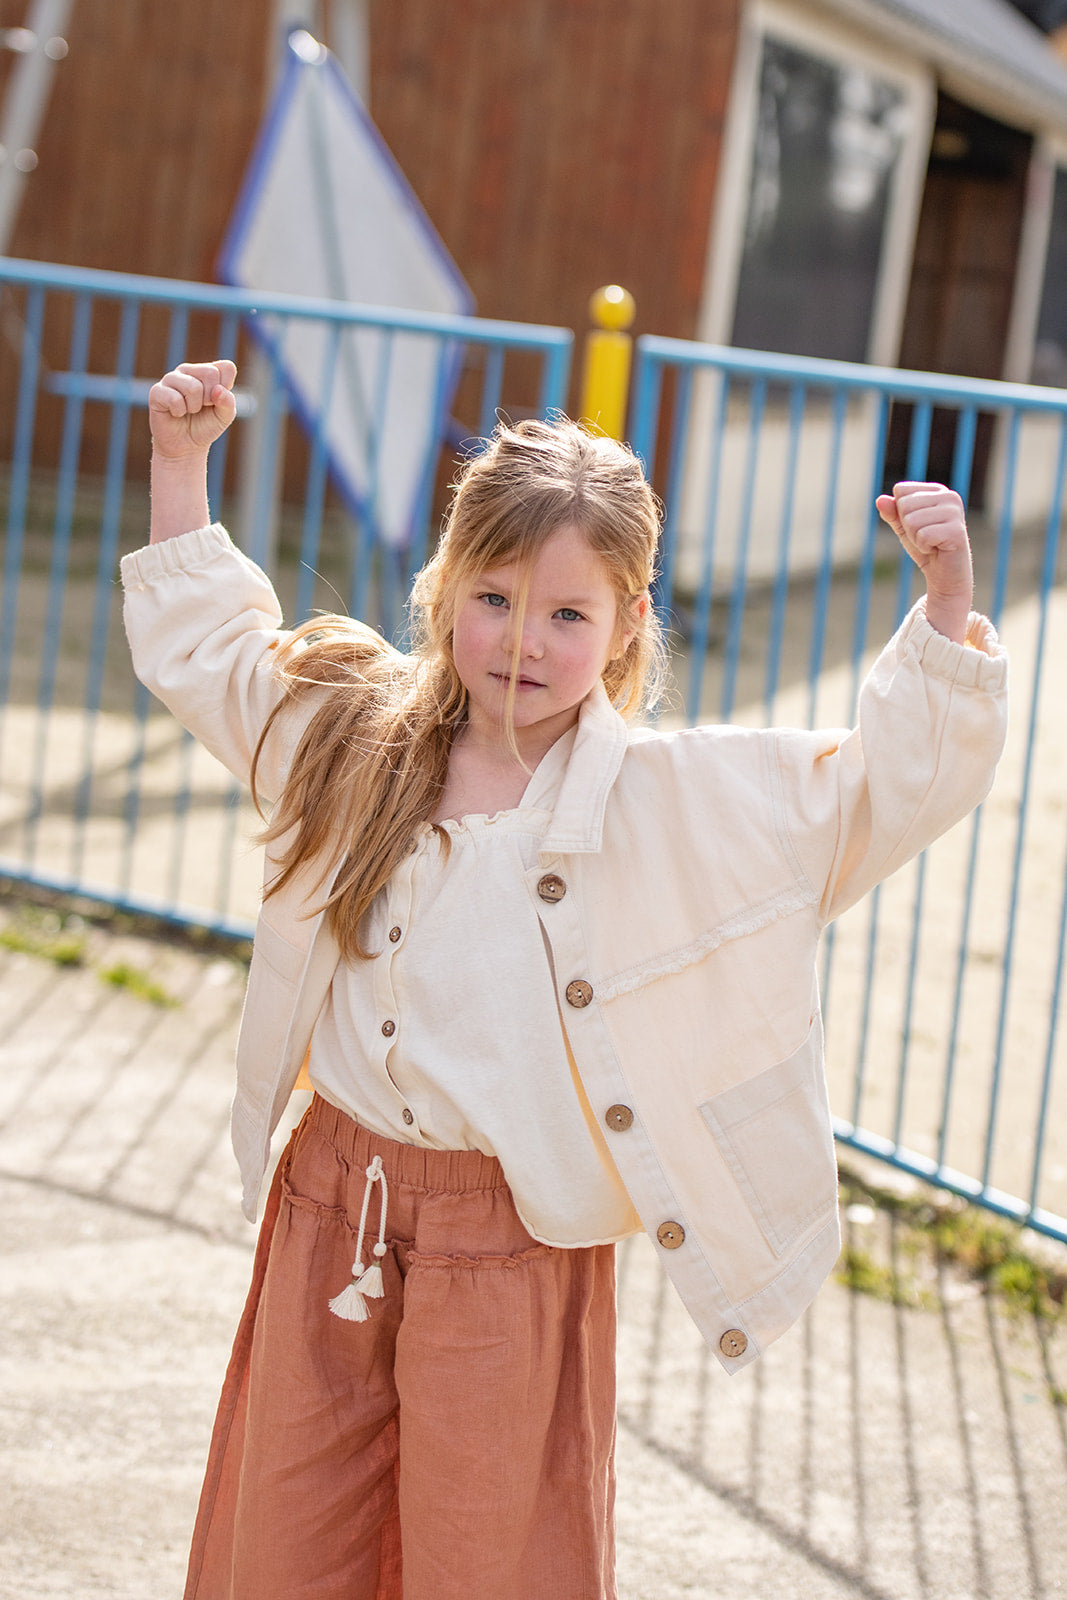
(458, 1445)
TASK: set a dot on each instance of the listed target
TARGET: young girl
(555, 982)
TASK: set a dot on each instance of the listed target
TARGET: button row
(619, 1118)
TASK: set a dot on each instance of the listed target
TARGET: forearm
(179, 495)
(932, 721)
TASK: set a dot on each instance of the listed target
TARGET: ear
(638, 613)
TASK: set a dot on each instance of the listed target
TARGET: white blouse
(450, 1036)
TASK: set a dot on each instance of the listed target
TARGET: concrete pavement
(878, 1451)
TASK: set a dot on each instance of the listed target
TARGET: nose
(531, 642)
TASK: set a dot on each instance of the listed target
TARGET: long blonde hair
(372, 762)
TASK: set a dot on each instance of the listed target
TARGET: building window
(827, 141)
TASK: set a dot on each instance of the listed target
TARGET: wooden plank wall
(557, 145)
(149, 126)
(562, 144)
(148, 129)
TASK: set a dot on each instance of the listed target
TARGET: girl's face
(570, 630)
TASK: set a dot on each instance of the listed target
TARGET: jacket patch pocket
(774, 1133)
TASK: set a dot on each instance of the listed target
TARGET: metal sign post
(40, 45)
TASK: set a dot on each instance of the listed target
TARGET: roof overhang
(983, 51)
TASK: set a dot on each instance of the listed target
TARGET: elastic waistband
(413, 1166)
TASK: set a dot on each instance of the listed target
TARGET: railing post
(606, 368)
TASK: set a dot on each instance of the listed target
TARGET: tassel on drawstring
(351, 1304)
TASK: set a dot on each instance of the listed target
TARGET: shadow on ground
(879, 1450)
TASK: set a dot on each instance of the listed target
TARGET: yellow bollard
(606, 368)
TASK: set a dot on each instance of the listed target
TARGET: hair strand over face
(372, 762)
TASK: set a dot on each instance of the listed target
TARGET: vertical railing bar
(370, 532)
(362, 566)
(59, 569)
(663, 588)
(229, 330)
(864, 588)
(419, 534)
(182, 804)
(1005, 532)
(229, 334)
(963, 454)
(739, 587)
(798, 396)
(177, 343)
(962, 469)
(315, 487)
(705, 588)
(492, 389)
(860, 1070)
(963, 451)
(114, 488)
(261, 520)
(825, 570)
(999, 592)
(554, 377)
(904, 1055)
(18, 487)
(962, 953)
(394, 591)
(1055, 1001)
(177, 336)
(135, 766)
(916, 470)
(227, 841)
(865, 576)
(1048, 581)
(645, 396)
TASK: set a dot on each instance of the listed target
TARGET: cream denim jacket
(697, 870)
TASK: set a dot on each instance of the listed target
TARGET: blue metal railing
(102, 795)
(943, 992)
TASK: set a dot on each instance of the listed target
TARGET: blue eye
(496, 600)
(569, 614)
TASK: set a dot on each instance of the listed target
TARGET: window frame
(839, 45)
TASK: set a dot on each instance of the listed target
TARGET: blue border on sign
(240, 222)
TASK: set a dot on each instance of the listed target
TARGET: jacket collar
(599, 746)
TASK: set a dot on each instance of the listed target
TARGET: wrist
(190, 460)
(949, 614)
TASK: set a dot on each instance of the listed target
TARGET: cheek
(473, 640)
(588, 659)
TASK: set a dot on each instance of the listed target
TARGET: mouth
(521, 682)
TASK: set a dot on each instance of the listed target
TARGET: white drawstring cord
(351, 1303)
